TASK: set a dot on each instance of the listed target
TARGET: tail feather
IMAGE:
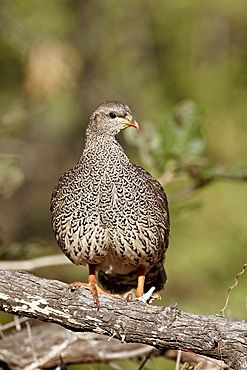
(120, 283)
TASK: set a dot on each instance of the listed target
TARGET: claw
(93, 287)
(148, 297)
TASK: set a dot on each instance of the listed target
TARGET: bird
(111, 214)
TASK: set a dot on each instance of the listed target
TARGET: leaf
(181, 134)
(184, 210)
(238, 172)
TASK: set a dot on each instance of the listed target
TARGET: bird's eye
(112, 115)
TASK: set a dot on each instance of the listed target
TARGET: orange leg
(140, 282)
(140, 285)
(140, 288)
(91, 285)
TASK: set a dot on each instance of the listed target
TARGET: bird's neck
(103, 148)
(95, 139)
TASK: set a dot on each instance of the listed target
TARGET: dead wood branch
(35, 263)
(161, 327)
(52, 340)
(75, 348)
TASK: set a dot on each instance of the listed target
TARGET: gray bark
(33, 344)
(161, 327)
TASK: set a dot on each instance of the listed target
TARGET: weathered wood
(162, 327)
(46, 338)
(48, 341)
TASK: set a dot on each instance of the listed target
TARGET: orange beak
(130, 121)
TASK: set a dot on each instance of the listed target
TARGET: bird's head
(111, 117)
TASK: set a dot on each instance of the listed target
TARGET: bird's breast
(106, 217)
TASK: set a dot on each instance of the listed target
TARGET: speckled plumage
(109, 211)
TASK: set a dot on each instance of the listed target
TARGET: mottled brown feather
(111, 212)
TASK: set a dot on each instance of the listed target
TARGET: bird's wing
(159, 194)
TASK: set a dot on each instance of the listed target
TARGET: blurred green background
(181, 66)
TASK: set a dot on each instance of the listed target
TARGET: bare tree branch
(76, 348)
(160, 327)
(35, 263)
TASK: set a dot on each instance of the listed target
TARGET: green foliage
(237, 172)
(180, 133)
(177, 140)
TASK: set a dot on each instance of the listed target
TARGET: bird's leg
(139, 293)
(140, 282)
(148, 297)
(140, 285)
(91, 285)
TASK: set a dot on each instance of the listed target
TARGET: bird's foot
(90, 286)
(94, 288)
(148, 297)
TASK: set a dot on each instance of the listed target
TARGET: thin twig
(29, 332)
(17, 323)
(114, 366)
(222, 311)
(204, 358)
(146, 359)
(11, 324)
(55, 351)
(178, 359)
